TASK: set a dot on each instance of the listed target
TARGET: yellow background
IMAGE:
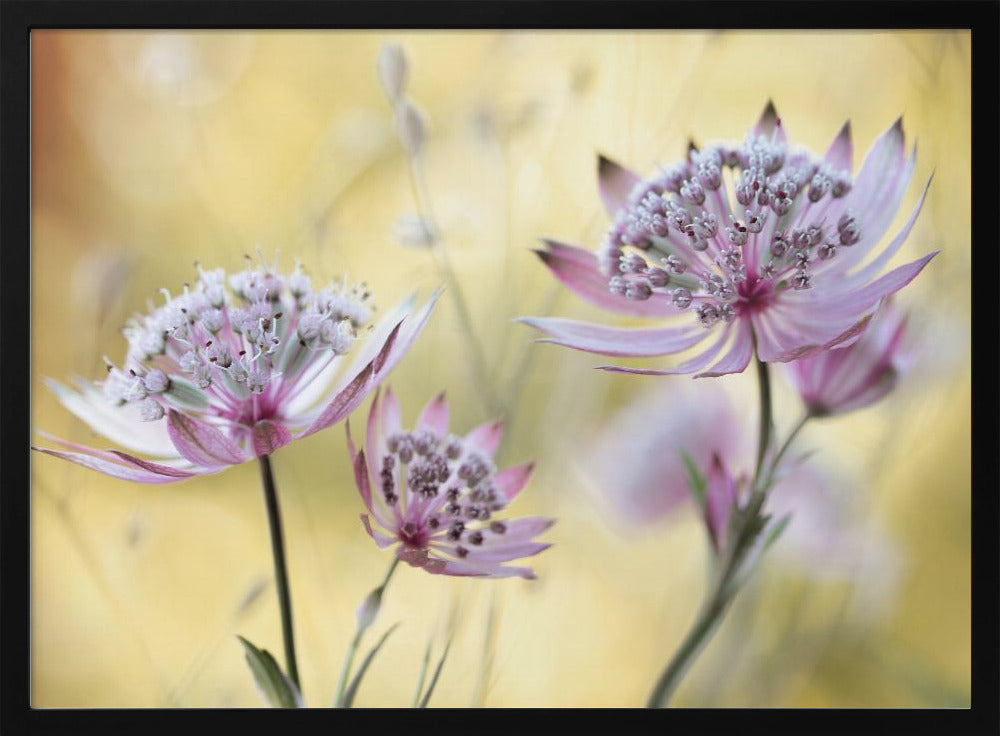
(151, 151)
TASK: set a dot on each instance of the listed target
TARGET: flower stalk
(366, 617)
(280, 568)
(748, 525)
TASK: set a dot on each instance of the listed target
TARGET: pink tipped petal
(390, 421)
(434, 417)
(872, 269)
(615, 183)
(506, 552)
(268, 437)
(619, 341)
(769, 123)
(860, 300)
(578, 270)
(509, 482)
(738, 357)
(697, 363)
(485, 439)
(412, 327)
(343, 403)
(124, 472)
(381, 540)
(202, 444)
(158, 468)
(466, 569)
(840, 154)
(361, 478)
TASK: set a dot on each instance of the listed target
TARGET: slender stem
(280, 568)
(764, 437)
(722, 591)
(352, 648)
(788, 441)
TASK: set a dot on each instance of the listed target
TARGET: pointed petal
(840, 154)
(158, 468)
(720, 495)
(202, 444)
(124, 472)
(738, 357)
(343, 403)
(578, 270)
(485, 439)
(434, 417)
(509, 482)
(514, 550)
(361, 477)
(122, 425)
(620, 341)
(467, 569)
(519, 530)
(769, 122)
(697, 363)
(269, 437)
(615, 183)
(381, 540)
(857, 301)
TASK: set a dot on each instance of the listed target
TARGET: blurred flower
(847, 378)
(784, 279)
(210, 380)
(392, 71)
(638, 466)
(648, 480)
(436, 494)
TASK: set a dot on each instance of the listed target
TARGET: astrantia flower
(754, 246)
(438, 495)
(847, 378)
(216, 377)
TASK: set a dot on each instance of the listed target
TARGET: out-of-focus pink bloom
(637, 465)
(767, 256)
(847, 378)
(213, 379)
(637, 460)
(435, 494)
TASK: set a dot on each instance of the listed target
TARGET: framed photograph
(500, 355)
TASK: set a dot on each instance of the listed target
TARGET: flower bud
(392, 71)
(410, 127)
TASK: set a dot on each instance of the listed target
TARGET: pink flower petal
(720, 496)
(738, 357)
(615, 183)
(124, 472)
(268, 437)
(343, 403)
(841, 152)
(519, 530)
(769, 123)
(202, 444)
(381, 540)
(514, 550)
(509, 482)
(361, 477)
(485, 439)
(696, 363)
(434, 417)
(620, 341)
(466, 569)
(578, 270)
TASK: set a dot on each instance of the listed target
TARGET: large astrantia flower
(843, 379)
(437, 495)
(756, 246)
(216, 377)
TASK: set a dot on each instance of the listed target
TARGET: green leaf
(696, 481)
(352, 689)
(434, 679)
(422, 676)
(776, 530)
(272, 684)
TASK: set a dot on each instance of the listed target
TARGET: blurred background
(152, 150)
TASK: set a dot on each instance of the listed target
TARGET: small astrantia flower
(843, 379)
(234, 368)
(439, 496)
(757, 246)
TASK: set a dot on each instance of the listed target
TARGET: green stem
(722, 592)
(788, 442)
(352, 648)
(280, 568)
